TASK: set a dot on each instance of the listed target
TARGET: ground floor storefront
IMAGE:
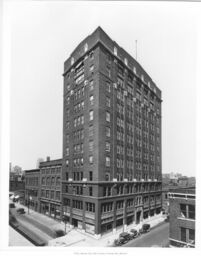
(104, 217)
(52, 209)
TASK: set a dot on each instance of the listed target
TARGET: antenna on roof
(136, 48)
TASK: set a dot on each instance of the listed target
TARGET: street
(157, 237)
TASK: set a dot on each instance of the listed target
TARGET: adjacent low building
(182, 217)
(50, 178)
(32, 189)
(43, 188)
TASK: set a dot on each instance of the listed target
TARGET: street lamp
(29, 199)
(65, 220)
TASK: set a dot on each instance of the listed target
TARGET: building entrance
(75, 223)
(138, 215)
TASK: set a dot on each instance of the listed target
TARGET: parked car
(145, 228)
(11, 205)
(21, 210)
(134, 233)
(119, 241)
(125, 236)
(59, 233)
(167, 218)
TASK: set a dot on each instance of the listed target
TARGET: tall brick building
(111, 173)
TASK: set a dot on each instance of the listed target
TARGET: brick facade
(182, 217)
(111, 174)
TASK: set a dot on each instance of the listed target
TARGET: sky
(43, 35)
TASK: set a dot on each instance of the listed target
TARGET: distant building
(183, 181)
(182, 217)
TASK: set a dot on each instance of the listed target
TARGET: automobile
(59, 233)
(21, 210)
(125, 237)
(11, 205)
(167, 218)
(119, 241)
(134, 233)
(145, 228)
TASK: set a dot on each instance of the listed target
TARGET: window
(43, 180)
(67, 162)
(91, 68)
(52, 181)
(91, 85)
(107, 161)
(91, 159)
(90, 207)
(58, 181)
(191, 211)
(90, 175)
(91, 131)
(109, 71)
(115, 51)
(90, 191)
(66, 175)
(91, 145)
(107, 177)
(67, 151)
(108, 102)
(108, 88)
(107, 116)
(107, 131)
(91, 55)
(91, 115)
(183, 234)
(52, 194)
(72, 60)
(57, 195)
(82, 119)
(80, 79)
(107, 146)
(47, 193)
(91, 99)
(191, 235)
(86, 47)
(183, 210)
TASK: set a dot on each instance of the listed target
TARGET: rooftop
(100, 37)
(184, 190)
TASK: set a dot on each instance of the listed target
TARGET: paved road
(157, 237)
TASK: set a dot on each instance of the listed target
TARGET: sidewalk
(16, 239)
(76, 237)
(42, 219)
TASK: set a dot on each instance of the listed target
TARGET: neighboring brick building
(111, 138)
(32, 189)
(43, 188)
(50, 180)
(16, 183)
(182, 217)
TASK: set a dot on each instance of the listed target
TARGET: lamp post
(65, 220)
(29, 200)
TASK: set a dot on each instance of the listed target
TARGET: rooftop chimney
(48, 158)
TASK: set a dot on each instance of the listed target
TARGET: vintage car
(21, 210)
(133, 233)
(145, 228)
